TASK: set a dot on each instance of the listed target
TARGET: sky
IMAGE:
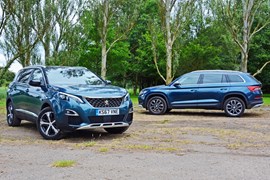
(15, 67)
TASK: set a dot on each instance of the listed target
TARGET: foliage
(70, 32)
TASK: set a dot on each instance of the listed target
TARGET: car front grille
(105, 102)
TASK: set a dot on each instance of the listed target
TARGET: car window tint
(37, 75)
(213, 78)
(24, 76)
(235, 78)
(189, 79)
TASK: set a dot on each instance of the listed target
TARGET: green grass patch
(266, 99)
(103, 149)
(64, 163)
(134, 99)
(3, 92)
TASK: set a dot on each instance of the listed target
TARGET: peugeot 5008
(62, 99)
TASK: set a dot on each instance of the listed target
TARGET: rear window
(253, 78)
(234, 78)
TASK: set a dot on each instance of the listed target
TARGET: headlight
(142, 93)
(127, 97)
(67, 97)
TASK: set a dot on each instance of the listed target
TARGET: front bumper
(70, 117)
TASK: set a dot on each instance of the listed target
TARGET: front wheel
(46, 125)
(12, 119)
(157, 105)
(117, 130)
(234, 107)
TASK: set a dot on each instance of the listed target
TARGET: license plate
(102, 112)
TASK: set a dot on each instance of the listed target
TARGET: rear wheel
(117, 130)
(46, 125)
(234, 107)
(157, 105)
(12, 119)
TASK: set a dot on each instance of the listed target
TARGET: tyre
(157, 105)
(234, 107)
(117, 130)
(46, 125)
(12, 119)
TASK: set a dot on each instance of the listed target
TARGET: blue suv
(231, 91)
(61, 99)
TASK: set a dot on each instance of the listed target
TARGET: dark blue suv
(231, 91)
(61, 99)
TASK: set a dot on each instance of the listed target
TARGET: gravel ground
(184, 144)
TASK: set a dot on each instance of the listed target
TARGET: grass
(64, 163)
(103, 149)
(266, 99)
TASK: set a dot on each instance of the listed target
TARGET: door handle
(223, 89)
(27, 90)
(193, 90)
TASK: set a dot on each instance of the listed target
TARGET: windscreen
(72, 76)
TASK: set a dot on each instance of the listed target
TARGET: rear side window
(24, 76)
(213, 78)
(234, 78)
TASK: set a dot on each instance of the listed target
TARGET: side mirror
(35, 83)
(177, 84)
(108, 82)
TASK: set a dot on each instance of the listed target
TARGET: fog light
(70, 112)
(130, 110)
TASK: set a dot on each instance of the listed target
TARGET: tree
(116, 17)
(243, 19)
(18, 40)
(55, 25)
(175, 16)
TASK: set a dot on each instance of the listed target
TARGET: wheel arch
(157, 94)
(45, 105)
(238, 95)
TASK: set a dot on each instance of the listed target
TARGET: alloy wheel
(47, 124)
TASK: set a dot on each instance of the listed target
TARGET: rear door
(213, 87)
(19, 94)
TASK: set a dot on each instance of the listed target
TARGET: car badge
(106, 102)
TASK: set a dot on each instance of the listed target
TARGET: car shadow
(200, 113)
(72, 137)
(91, 135)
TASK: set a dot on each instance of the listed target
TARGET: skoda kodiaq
(231, 91)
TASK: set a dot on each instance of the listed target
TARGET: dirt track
(184, 144)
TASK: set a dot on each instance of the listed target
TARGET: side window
(24, 76)
(37, 75)
(213, 78)
(189, 79)
(235, 78)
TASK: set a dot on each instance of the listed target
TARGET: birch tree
(175, 16)
(116, 17)
(244, 19)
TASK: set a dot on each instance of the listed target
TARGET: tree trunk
(104, 59)
(247, 6)
(104, 40)
(169, 43)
